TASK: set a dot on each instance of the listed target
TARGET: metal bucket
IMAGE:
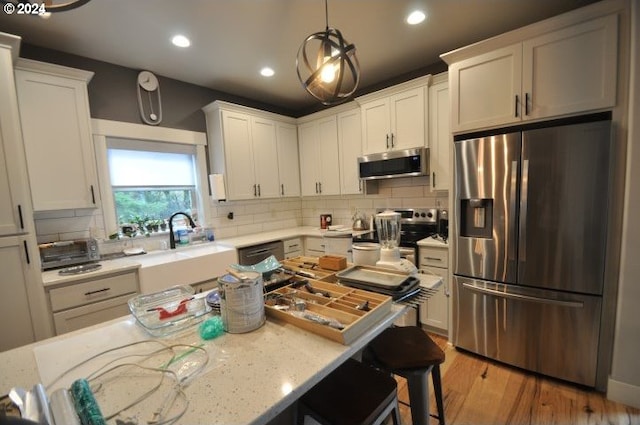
(241, 301)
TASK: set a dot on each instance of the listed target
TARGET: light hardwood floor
(478, 391)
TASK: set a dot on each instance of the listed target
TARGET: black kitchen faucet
(172, 239)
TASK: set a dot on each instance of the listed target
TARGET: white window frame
(104, 129)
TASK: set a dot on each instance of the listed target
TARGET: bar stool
(409, 352)
(353, 394)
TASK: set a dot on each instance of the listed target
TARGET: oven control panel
(415, 215)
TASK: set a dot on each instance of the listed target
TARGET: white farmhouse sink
(162, 269)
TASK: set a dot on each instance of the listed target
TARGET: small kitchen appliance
(69, 253)
(388, 227)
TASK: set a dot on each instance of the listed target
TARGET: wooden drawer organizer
(341, 305)
(309, 265)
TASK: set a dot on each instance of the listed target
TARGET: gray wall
(113, 93)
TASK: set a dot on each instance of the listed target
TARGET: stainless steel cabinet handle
(526, 103)
(432, 258)
(392, 137)
(320, 186)
(500, 294)
(316, 187)
(93, 196)
(97, 291)
(255, 190)
(282, 189)
(433, 179)
(387, 141)
(524, 199)
(258, 190)
(516, 106)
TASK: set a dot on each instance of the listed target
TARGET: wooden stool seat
(409, 352)
(353, 394)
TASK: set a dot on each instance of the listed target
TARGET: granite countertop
(251, 378)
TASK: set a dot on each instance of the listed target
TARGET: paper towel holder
(218, 192)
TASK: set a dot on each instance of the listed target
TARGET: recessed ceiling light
(181, 41)
(416, 17)
(267, 72)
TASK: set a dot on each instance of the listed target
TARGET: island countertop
(255, 376)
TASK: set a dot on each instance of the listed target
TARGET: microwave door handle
(522, 248)
(511, 239)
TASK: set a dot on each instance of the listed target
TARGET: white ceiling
(233, 39)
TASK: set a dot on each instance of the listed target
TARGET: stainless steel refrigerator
(531, 211)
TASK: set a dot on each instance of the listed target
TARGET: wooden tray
(309, 265)
(341, 306)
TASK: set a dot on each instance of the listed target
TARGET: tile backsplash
(252, 216)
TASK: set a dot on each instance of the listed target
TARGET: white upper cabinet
(288, 159)
(440, 138)
(350, 148)
(319, 164)
(15, 210)
(256, 151)
(56, 128)
(395, 118)
(569, 70)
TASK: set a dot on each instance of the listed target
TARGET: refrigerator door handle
(500, 294)
(522, 251)
(511, 239)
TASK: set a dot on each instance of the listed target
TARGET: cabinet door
(350, 147)
(485, 90)
(376, 126)
(265, 157)
(14, 186)
(408, 117)
(436, 312)
(440, 139)
(238, 156)
(288, 160)
(571, 70)
(309, 138)
(15, 314)
(327, 150)
(57, 138)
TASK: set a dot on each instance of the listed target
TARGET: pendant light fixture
(327, 65)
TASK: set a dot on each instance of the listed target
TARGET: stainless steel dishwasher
(256, 253)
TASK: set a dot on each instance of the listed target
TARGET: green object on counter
(211, 328)
(85, 403)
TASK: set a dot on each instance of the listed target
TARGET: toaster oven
(68, 253)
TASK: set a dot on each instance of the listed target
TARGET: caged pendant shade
(327, 65)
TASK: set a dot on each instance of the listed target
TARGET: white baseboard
(624, 393)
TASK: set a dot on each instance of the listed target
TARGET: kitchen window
(146, 178)
(151, 180)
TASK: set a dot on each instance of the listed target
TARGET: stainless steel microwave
(401, 163)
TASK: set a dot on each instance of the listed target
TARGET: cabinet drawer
(293, 254)
(314, 244)
(434, 257)
(291, 245)
(88, 315)
(92, 291)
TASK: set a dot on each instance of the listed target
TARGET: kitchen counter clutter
(250, 378)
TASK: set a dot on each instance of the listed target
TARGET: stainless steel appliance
(69, 253)
(250, 255)
(531, 214)
(402, 163)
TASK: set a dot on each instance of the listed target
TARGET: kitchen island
(251, 378)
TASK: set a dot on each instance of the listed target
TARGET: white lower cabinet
(292, 248)
(435, 314)
(92, 301)
(313, 246)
